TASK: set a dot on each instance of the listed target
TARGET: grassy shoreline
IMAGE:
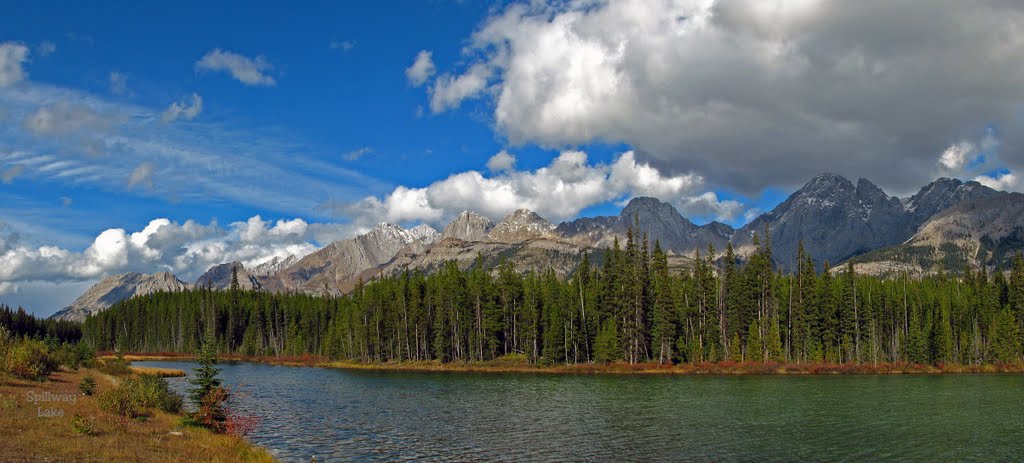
(618, 368)
(30, 435)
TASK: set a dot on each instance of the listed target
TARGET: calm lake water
(342, 415)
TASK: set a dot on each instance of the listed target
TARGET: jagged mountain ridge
(341, 260)
(116, 288)
(835, 218)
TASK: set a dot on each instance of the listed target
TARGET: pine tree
(205, 379)
(606, 346)
(1004, 338)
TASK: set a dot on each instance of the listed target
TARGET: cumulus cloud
(449, 90)
(421, 70)
(13, 56)
(142, 175)
(249, 71)
(119, 84)
(557, 191)
(7, 287)
(752, 93)
(188, 249)
(1002, 181)
(709, 205)
(957, 155)
(182, 110)
(501, 162)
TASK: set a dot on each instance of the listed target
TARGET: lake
(341, 415)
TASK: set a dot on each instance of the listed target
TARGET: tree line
(626, 307)
(20, 323)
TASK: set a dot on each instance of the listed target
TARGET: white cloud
(187, 249)
(100, 141)
(249, 71)
(958, 155)
(449, 91)
(119, 84)
(1006, 181)
(142, 175)
(46, 48)
(13, 56)
(557, 191)
(501, 162)
(421, 70)
(708, 205)
(7, 287)
(182, 110)
(64, 118)
(748, 92)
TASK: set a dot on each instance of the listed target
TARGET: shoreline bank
(726, 368)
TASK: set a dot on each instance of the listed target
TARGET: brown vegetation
(83, 432)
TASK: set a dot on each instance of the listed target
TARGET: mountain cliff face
(521, 225)
(117, 288)
(340, 261)
(219, 277)
(468, 226)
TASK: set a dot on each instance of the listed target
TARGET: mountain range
(948, 224)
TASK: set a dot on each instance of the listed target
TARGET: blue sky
(260, 130)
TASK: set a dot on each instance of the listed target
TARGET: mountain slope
(660, 220)
(987, 231)
(340, 261)
(117, 288)
(219, 277)
(521, 225)
(468, 226)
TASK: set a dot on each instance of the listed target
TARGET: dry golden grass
(26, 437)
(161, 372)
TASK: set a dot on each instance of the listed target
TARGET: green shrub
(155, 392)
(116, 367)
(134, 395)
(73, 356)
(28, 359)
(88, 385)
(120, 401)
(82, 425)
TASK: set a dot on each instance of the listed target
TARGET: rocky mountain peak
(521, 225)
(468, 226)
(424, 233)
(943, 194)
